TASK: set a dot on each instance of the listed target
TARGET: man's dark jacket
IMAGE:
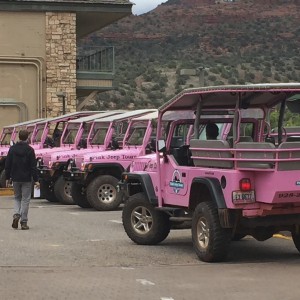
(20, 164)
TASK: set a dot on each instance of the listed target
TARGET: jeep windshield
(70, 133)
(136, 133)
(224, 120)
(98, 134)
(6, 136)
(30, 130)
(37, 138)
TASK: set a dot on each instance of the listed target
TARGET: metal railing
(96, 59)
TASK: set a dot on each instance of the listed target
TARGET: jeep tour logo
(176, 183)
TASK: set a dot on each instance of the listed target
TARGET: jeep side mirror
(161, 146)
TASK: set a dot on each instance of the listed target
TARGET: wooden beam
(91, 96)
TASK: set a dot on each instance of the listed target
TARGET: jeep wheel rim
(203, 233)
(141, 220)
(107, 193)
(67, 188)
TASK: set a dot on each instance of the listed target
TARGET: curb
(6, 192)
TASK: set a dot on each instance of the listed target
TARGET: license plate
(36, 192)
(239, 197)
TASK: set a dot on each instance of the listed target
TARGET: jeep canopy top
(126, 115)
(98, 115)
(227, 97)
(24, 123)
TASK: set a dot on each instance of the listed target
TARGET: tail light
(245, 184)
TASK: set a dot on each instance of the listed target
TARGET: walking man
(20, 168)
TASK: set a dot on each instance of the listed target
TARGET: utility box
(188, 72)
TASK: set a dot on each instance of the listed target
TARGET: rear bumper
(276, 220)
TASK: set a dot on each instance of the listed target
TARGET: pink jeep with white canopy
(227, 187)
(46, 134)
(41, 131)
(73, 140)
(96, 174)
(9, 135)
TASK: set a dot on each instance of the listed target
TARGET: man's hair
(23, 135)
(212, 131)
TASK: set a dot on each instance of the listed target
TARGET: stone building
(41, 70)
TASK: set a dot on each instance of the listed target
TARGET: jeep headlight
(71, 164)
(39, 162)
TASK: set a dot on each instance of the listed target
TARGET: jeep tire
(102, 193)
(210, 240)
(62, 190)
(79, 196)
(144, 224)
(47, 192)
(296, 239)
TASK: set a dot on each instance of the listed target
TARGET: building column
(60, 62)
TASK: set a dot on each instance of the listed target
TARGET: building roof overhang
(92, 15)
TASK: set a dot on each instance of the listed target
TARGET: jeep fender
(59, 170)
(146, 185)
(113, 169)
(214, 188)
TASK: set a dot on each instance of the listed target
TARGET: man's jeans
(22, 198)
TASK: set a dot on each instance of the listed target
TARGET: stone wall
(60, 62)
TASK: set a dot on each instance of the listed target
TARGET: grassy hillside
(229, 43)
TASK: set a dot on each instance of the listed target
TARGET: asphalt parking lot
(74, 253)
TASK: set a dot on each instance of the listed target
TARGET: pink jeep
(96, 174)
(40, 132)
(9, 135)
(52, 163)
(46, 135)
(227, 188)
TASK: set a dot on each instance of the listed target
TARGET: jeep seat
(209, 149)
(261, 155)
(289, 165)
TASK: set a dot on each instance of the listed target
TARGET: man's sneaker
(16, 218)
(24, 226)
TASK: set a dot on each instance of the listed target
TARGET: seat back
(289, 165)
(177, 141)
(293, 139)
(241, 139)
(245, 139)
(206, 150)
(253, 155)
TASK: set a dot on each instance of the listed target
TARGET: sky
(143, 6)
